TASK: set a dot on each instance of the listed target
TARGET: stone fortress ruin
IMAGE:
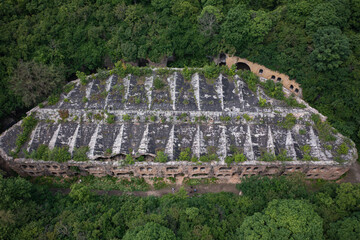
(212, 120)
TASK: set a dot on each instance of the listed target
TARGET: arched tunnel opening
(222, 59)
(242, 66)
(142, 62)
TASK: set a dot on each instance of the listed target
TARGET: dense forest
(277, 208)
(43, 43)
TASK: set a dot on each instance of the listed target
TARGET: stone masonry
(205, 115)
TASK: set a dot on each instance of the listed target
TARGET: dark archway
(170, 61)
(142, 62)
(242, 66)
(222, 59)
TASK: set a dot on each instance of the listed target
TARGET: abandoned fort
(179, 123)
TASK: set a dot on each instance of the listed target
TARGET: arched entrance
(242, 66)
(142, 62)
(222, 59)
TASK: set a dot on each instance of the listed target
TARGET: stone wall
(225, 173)
(264, 72)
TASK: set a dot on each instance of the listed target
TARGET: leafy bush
(324, 129)
(161, 157)
(158, 84)
(53, 99)
(250, 78)
(57, 154)
(82, 77)
(80, 154)
(185, 155)
(28, 124)
(289, 121)
(110, 118)
(262, 102)
(126, 117)
(343, 149)
(129, 159)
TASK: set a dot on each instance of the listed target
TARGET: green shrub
(69, 87)
(185, 155)
(289, 121)
(59, 154)
(161, 157)
(85, 100)
(140, 159)
(126, 117)
(108, 151)
(262, 102)
(53, 99)
(80, 155)
(98, 116)
(324, 129)
(268, 157)
(158, 84)
(129, 159)
(110, 118)
(82, 77)
(343, 149)
(211, 71)
(250, 78)
(239, 157)
(153, 118)
(225, 118)
(28, 124)
(302, 131)
(247, 117)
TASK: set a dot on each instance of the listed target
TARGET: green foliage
(124, 69)
(53, 99)
(159, 84)
(69, 87)
(80, 193)
(161, 157)
(237, 157)
(324, 129)
(283, 219)
(153, 118)
(209, 158)
(289, 121)
(150, 231)
(262, 102)
(331, 49)
(211, 71)
(185, 155)
(343, 149)
(250, 78)
(225, 118)
(84, 99)
(110, 118)
(80, 154)
(280, 205)
(346, 228)
(247, 117)
(129, 159)
(126, 117)
(57, 154)
(33, 81)
(28, 124)
(82, 76)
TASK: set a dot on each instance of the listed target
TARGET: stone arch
(242, 66)
(141, 62)
(222, 59)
